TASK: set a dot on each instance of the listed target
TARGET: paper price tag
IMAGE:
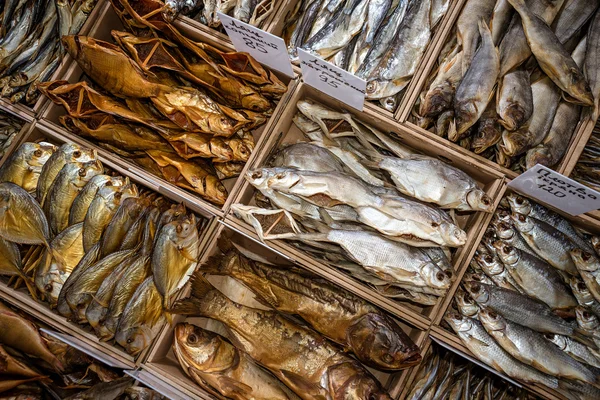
(266, 48)
(557, 190)
(332, 80)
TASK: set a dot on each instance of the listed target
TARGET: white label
(332, 80)
(267, 49)
(557, 190)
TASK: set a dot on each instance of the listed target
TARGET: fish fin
(225, 244)
(192, 305)
(233, 386)
(214, 265)
(97, 300)
(186, 254)
(326, 217)
(479, 342)
(301, 384)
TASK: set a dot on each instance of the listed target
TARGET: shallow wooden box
(109, 21)
(285, 131)
(161, 361)
(84, 333)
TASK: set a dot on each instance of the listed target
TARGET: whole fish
(57, 263)
(514, 49)
(484, 347)
(546, 97)
(530, 347)
(442, 184)
(21, 334)
(66, 153)
(519, 308)
(514, 99)
(359, 326)
(467, 29)
(220, 368)
(82, 202)
(289, 345)
(123, 292)
(71, 180)
(476, 88)
(552, 57)
(81, 292)
(25, 165)
(592, 56)
(573, 348)
(537, 278)
(522, 205)
(589, 269)
(400, 61)
(175, 256)
(130, 210)
(102, 209)
(22, 220)
(141, 319)
(548, 243)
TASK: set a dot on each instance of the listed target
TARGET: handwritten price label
(332, 80)
(267, 49)
(557, 190)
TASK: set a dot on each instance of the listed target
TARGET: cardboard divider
(109, 21)
(281, 19)
(583, 222)
(161, 360)
(285, 131)
(42, 102)
(83, 333)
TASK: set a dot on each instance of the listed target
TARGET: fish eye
(475, 288)
(129, 341)
(279, 176)
(507, 249)
(81, 172)
(581, 286)
(77, 154)
(38, 153)
(440, 276)
(586, 256)
(486, 201)
(520, 200)
(493, 315)
(586, 315)
(522, 218)
(256, 175)
(48, 287)
(192, 339)
(488, 258)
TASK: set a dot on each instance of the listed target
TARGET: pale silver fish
(573, 348)
(583, 295)
(589, 269)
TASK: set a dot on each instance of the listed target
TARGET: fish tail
(584, 338)
(518, 4)
(195, 304)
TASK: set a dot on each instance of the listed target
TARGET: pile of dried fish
(265, 336)
(9, 127)
(341, 198)
(381, 41)
(253, 12)
(30, 49)
(37, 366)
(445, 375)
(101, 252)
(531, 276)
(586, 170)
(514, 79)
(180, 109)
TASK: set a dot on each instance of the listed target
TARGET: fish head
(580, 290)
(74, 153)
(596, 243)
(506, 252)
(522, 222)
(452, 235)
(475, 276)
(89, 170)
(346, 383)
(465, 116)
(491, 320)
(50, 284)
(283, 179)
(580, 88)
(237, 150)
(458, 322)
(255, 102)
(558, 340)
(501, 215)
(479, 200)
(437, 101)
(466, 305)
(259, 177)
(37, 154)
(134, 339)
(585, 261)
(504, 231)
(519, 204)
(539, 155)
(586, 319)
(478, 291)
(376, 338)
(488, 263)
(436, 277)
(202, 349)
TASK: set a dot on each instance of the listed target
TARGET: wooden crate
(108, 21)
(161, 361)
(21, 298)
(285, 131)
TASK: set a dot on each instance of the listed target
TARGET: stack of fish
(252, 12)
(188, 108)
(444, 375)
(514, 79)
(586, 170)
(267, 337)
(533, 274)
(351, 201)
(30, 49)
(100, 251)
(36, 366)
(9, 127)
(381, 41)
